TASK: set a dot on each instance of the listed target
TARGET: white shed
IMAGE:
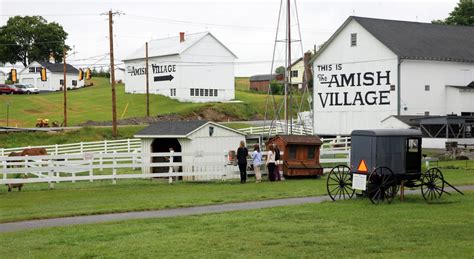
(192, 68)
(54, 76)
(195, 137)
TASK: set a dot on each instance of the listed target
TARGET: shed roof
(300, 139)
(176, 129)
(171, 46)
(416, 40)
(58, 67)
(387, 133)
(264, 77)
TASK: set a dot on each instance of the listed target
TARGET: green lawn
(356, 228)
(94, 103)
(22, 139)
(81, 198)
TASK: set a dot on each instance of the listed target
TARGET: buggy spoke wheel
(432, 184)
(339, 183)
(381, 185)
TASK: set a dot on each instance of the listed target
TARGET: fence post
(105, 146)
(114, 170)
(100, 161)
(4, 167)
(128, 145)
(91, 170)
(81, 147)
(3, 152)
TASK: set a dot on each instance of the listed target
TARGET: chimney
(181, 37)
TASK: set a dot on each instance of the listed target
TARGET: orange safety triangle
(362, 166)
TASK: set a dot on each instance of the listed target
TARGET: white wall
(439, 100)
(394, 123)
(195, 68)
(339, 58)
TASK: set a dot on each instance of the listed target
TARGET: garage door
(28, 81)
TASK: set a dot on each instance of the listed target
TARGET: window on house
(294, 73)
(211, 92)
(191, 91)
(206, 92)
(74, 82)
(353, 39)
(215, 92)
(392, 87)
(201, 92)
(292, 152)
(173, 92)
(32, 69)
(311, 152)
(427, 87)
(61, 82)
(427, 113)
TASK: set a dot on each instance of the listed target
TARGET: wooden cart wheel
(339, 183)
(381, 185)
(432, 184)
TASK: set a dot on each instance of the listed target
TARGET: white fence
(279, 128)
(106, 146)
(102, 166)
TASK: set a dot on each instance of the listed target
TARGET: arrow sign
(163, 78)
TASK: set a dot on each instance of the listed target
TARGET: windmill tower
(283, 113)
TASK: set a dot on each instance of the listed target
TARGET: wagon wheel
(381, 185)
(432, 184)
(339, 183)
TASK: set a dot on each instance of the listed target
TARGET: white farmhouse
(54, 76)
(194, 68)
(372, 69)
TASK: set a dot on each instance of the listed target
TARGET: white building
(189, 137)
(371, 69)
(119, 75)
(54, 76)
(3, 77)
(194, 67)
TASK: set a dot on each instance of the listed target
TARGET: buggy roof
(387, 133)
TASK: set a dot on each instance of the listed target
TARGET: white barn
(193, 68)
(189, 137)
(372, 69)
(54, 76)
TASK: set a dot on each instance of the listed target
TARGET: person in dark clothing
(277, 163)
(242, 154)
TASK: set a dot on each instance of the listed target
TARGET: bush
(462, 158)
(277, 87)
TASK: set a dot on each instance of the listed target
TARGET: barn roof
(300, 139)
(171, 46)
(176, 129)
(387, 133)
(416, 40)
(57, 67)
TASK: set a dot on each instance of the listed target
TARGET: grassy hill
(94, 104)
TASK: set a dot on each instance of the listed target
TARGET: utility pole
(64, 89)
(112, 75)
(147, 82)
(288, 83)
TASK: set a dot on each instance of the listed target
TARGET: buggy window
(292, 152)
(310, 152)
(412, 145)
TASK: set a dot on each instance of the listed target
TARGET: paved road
(166, 213)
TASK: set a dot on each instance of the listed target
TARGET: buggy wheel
(432, 184)
(381, 185)
(339, 183)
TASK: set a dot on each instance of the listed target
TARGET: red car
(8, 89)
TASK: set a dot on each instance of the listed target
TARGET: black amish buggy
(381, 161)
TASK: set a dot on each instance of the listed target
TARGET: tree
(31, 38)
(280, 70)
(463, 14)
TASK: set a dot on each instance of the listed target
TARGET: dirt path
(166, 213)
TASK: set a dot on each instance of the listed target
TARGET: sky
(248, 28)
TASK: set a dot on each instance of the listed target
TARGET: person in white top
(271, 163)
(257, 161)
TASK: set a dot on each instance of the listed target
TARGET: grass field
(94, 103)
(413, 229)
(22, 139)
(82, 198)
